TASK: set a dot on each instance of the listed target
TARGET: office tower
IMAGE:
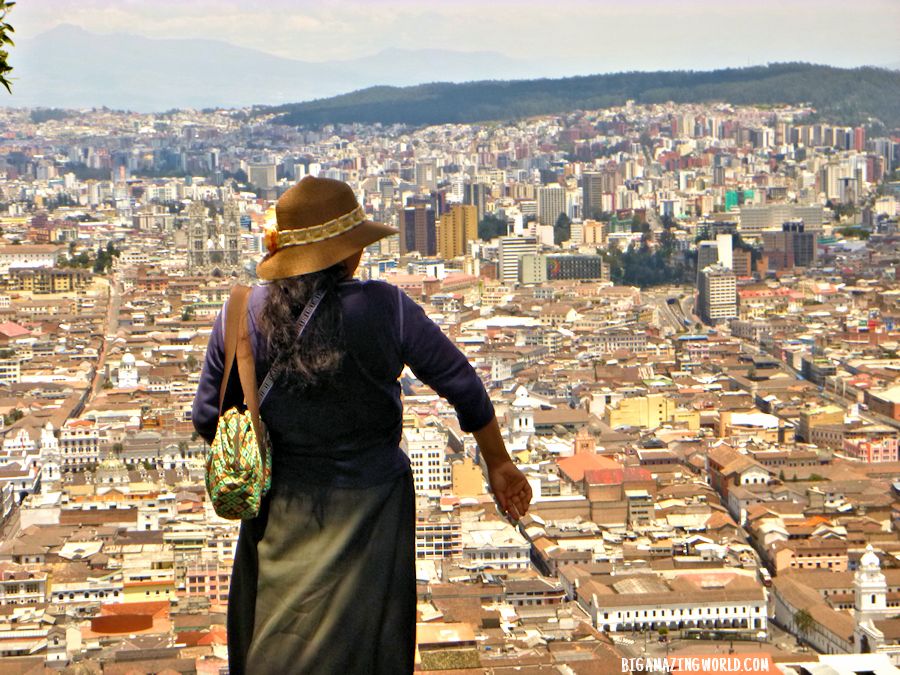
(717, 296)
(707, 254)
(426, 174)
(591, 194)
(475, 194)
(417, 230)
(511, 251)
(792, 246)
(885, 148)
(804, 243)
(262, 175)
(551, 202)
(456, 229)
(743, 263)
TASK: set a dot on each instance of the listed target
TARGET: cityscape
(687, 316)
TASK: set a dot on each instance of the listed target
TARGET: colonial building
(214, 243)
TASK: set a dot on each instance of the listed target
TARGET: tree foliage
(644, 266)
(803, 620)
(104, 258)
(6, 31)
(492, 226)
(843, 95)
(39, 115)
(562, 229)
(13, 416)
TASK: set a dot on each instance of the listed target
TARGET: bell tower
(232, 232)
(870, 586)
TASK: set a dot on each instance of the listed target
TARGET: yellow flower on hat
(270, 237)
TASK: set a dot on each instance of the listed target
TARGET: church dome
(128, 359)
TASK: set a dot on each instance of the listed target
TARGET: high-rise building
(598, 192)
(707, 254)
(456, 229)
(724, 244)
(511, 251)
(551, 202)
(426, 174)
(262, 175)
(418, 231)
(717, 294)
(427, 451)
(804, 242)
(591, 194)
(743, 263)
(792, 246)
(475, 194)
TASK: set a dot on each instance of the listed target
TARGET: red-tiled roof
(637, 473)
(13, 330)
(604, 476)
(574, 467)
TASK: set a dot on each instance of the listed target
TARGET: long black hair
(314, 358)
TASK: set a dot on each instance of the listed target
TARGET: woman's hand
(510, 489)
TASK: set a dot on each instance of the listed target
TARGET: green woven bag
(237, 475)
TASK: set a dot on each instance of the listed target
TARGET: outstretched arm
(508, 484)
(438, 363)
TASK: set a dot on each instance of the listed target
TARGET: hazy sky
(597, 35)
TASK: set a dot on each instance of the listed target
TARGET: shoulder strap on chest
(235, 314)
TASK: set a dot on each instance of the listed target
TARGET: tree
(191, 362)
(562, 229)
(14, 416)
(803, 621)
(491, 226)
(6, 31)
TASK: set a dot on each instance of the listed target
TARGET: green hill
(843, 96)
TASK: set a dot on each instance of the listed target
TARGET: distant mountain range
(848, 96)
(69, 67)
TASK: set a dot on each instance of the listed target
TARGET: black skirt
(324, 582)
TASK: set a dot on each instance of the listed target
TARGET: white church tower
(869, 602)
(870, 586)
(128, 372)
(50, 457)
(520, 420)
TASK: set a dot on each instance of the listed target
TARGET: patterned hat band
(277, 239)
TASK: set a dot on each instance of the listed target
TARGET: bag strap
(305, 316)
(247, 373)
(236, 308)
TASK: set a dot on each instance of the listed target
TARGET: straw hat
(318, 223)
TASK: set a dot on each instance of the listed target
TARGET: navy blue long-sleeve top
(348, 433)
